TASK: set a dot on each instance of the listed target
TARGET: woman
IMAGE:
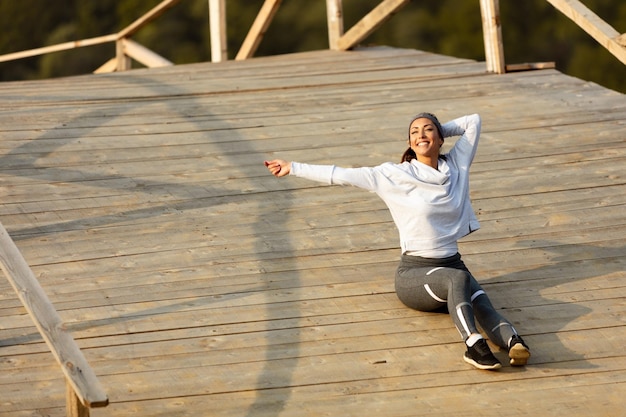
(428, 197)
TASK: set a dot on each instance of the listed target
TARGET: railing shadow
(29, 156)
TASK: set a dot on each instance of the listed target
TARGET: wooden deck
(198, 285)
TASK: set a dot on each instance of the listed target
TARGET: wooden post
(492, 35)
(334, 13)
(73, 406)
(123, 62)
(258, 29)
(217, 26)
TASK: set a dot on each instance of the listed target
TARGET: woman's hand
(278, 167)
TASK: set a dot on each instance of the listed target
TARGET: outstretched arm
(366, 178)
(278, 167)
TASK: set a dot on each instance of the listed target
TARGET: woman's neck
(432, 162)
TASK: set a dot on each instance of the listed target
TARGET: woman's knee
(460, 282)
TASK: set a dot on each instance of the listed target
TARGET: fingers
(277, 167)
(273, 166)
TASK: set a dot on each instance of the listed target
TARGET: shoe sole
(481, 366)
(519, 355)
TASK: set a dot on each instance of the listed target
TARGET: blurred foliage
(533, 31)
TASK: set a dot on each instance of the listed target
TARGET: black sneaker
(481, 357)
(518, 351)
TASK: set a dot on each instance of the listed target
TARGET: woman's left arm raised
(468, 127)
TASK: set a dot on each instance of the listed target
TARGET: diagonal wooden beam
(601, 31)
(369, 23)
(258, 29)
(144, 55)
(155, 12)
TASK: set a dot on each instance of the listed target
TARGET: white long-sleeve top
(431, 208)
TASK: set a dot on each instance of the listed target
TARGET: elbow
(476, 121)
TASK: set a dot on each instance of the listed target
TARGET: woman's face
(424, 138)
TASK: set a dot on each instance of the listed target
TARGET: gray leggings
(427, 284)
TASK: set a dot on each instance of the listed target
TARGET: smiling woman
(428, 197)
(425, 139)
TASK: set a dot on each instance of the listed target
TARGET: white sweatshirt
(431, 208)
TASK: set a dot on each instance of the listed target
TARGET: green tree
(533, 31)
(24, 25)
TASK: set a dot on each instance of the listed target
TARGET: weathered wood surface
(197, 284)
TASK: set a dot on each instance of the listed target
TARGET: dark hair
(409, 155)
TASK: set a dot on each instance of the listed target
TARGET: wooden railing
(126, 49)
(587, 20)
(83, 388)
